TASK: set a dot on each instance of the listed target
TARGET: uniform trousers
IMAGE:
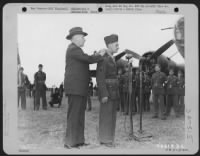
(40, 93)
(172, 101)
(107, 121)
(158, 100)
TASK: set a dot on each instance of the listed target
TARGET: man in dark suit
(76, 85)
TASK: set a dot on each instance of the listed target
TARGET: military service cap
(111, 39)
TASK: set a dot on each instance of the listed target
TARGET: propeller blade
(129, 52)
(162, 49)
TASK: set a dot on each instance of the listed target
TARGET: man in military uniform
(171, 92)
(108, 87)
(147, 92)
(125, 82)
(157, 82)
(121, 103)
(136, 91)
(76, 85)
(40, 88)
(22, 88)
(181, 92)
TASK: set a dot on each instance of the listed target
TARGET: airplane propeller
(162, 49)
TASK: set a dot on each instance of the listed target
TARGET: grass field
(46, 129)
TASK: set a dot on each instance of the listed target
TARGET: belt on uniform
(113, 81)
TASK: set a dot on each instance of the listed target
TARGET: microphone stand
(141, 135)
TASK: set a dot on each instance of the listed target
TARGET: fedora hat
(75, 31)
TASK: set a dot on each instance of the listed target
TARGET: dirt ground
(46, 129)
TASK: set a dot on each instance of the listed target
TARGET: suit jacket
(77, 74)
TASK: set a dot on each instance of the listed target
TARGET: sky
(41, 38)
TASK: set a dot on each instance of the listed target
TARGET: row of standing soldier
(167, 91)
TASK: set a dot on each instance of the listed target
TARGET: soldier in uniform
(136, 88)
(157, 82)
(171, 92)
(147, 92)
(125, 90)
(22, 88)
(40, 88)
(181, 92)
(108, 89)
(76, 85)
(121, 104)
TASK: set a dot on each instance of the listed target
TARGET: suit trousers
(75, 120)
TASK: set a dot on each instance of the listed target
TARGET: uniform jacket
(107, 69)
(171, 85)
(39, 80)
(157, 82)
(181, 82)
(147, 85)
(181, 86)
(125, 82)
(77, 74)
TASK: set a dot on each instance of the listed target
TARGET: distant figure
(125, 82)
(90, 91)
(121, 103)
(147, 92)
(22, 88)
(171, 91)
(61, 90)
(33, 95)
(28, 86)
(55, 97)
(181, 92)
(157, 82)
(136, 91)
(40, 88)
